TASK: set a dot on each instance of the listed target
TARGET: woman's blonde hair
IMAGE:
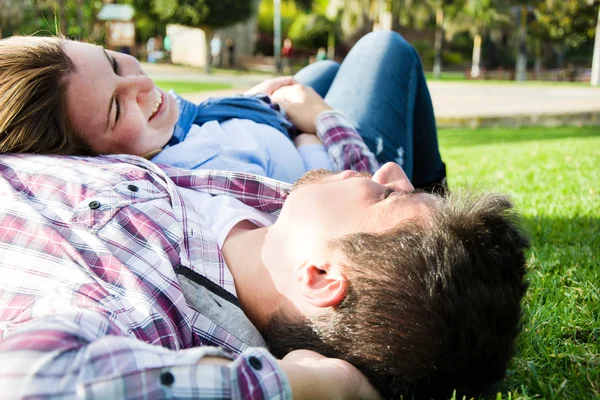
(33, 114)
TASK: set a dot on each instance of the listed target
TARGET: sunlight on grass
(552, 175)
(190, 87)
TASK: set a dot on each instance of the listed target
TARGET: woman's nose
(141, 85)
(393, 176)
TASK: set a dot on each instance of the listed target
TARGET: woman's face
(113, 105)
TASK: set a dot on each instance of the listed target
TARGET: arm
(312, 152)
(67, 356)
(310, 114)
(344, 145)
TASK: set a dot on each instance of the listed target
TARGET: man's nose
(393, 176)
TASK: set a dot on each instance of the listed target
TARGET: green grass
(553, 176)
(190, 87)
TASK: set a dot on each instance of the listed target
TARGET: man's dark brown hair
(431, 308)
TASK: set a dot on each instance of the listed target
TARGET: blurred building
(189, 44)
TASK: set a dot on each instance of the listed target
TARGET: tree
(74, 18)
(595, 79)
(420, 13)
(523, 11)
(205, 14)
(479, 17)
(312, 31)
(572, 22)
(12, 14)
(567, 24)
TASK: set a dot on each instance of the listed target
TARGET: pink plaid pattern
(90, 305)
(345, 147)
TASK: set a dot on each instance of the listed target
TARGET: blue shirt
(238, 144)
(242, 145)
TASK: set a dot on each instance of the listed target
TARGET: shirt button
(255, 363)
(94, 205)
(166, 378)
(133, 188)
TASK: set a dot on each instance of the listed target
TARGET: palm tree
(59, 5)
(420, 12)
(595, 80)
(478, 17)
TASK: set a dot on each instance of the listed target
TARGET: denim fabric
(381, 88)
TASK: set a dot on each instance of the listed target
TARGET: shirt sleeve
(344, 145)
(59, 357)
(315, 156)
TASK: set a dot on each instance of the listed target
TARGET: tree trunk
(521, 67)
(277, 35)
(476, 66)
(62, 16)
(208, 34)
(439, 40)
(596, 63)
(80, 24)
(538, 59)
(560, 51)
(331, 45)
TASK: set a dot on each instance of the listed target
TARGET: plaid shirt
(90, 305)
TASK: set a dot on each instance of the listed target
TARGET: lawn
(553, 176)
(181, 87)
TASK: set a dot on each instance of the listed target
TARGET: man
(115, 285)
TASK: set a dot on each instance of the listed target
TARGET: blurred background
(512, 87)
(549, 40)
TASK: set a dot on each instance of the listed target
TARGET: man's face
(113, 105)
(325, 206)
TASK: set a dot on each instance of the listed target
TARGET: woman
(64, 97)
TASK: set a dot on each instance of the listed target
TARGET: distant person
(167, 46)
(125, 50)
(230, 44)
(257, 45)
(215, 51)
(287, 51)
(150, 48)
(321, 54)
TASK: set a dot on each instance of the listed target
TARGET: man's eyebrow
(112, 99)
(401, 196)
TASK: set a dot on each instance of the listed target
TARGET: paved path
(456, 103)
(454, 99)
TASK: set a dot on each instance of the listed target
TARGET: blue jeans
(380, 87)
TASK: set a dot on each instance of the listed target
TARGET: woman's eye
(118, 107)
(115, 65)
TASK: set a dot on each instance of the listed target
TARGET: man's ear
(322, 285)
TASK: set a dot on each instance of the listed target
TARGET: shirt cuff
(254, 374)
(330, 119)
(259, 376)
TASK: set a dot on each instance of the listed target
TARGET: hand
(270, 85)
(302, 104)
(305, 139)
(314, 376)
